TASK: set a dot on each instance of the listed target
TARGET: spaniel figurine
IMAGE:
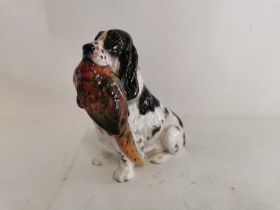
(157, 132)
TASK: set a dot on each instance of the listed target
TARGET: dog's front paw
(123, 174)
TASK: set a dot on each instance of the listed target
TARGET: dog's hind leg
(173, 141)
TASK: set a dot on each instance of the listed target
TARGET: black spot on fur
(155, 130)
(166, 112)
(184, 137)
(179, 120)
(147, 102)
(148, 138)
(122, 158)
(176, 147)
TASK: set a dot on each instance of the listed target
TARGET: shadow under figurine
(131, 122)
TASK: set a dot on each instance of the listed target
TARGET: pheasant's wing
(105, 102)
(107, 105)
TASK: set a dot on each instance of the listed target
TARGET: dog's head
(115, 48)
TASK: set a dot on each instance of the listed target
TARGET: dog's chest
(144, 127)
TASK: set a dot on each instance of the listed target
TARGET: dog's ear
(128, 71)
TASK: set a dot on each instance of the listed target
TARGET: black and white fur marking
(157, 131)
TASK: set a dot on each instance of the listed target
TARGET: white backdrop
(198, 57)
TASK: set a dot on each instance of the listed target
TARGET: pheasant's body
(100, 93)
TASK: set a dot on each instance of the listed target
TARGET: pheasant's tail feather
(127, 145)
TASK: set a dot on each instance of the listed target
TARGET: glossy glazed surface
(100, 93)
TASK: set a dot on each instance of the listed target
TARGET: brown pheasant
(101, 94)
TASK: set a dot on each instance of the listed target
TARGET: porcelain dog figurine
(157, 132)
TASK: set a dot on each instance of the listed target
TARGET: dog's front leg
(125, 171)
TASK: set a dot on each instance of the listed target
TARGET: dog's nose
(88, 48)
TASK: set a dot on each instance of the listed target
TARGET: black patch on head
(155, 130)
(166, 112)
(179, 120)
(119, 44)
(114, 42)
(147, 102)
